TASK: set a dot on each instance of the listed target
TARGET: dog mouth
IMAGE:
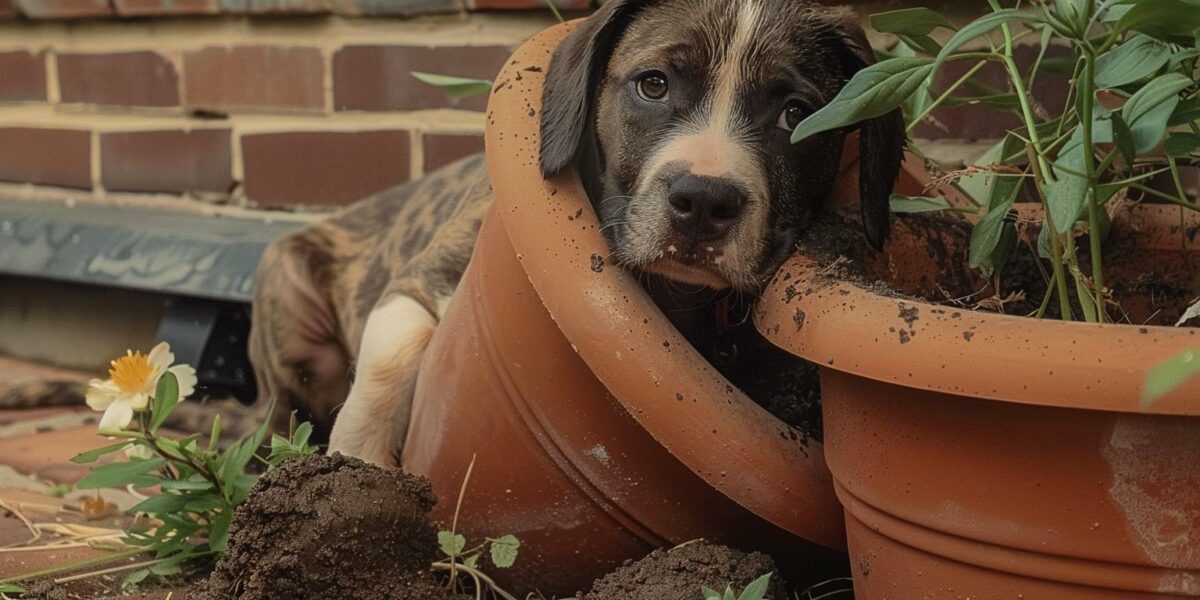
(697, 264)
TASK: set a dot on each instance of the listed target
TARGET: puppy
(677, 115)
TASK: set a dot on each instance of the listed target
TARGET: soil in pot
(1148, 286)
(679, 574)
(330, 527)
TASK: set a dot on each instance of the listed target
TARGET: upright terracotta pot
(600, 434)
(992, 457)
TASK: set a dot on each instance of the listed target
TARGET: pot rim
(1038, 362)
(648, 367)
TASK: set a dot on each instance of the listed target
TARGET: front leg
(374, 421)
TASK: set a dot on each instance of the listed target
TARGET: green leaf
(166, 569)
(1066, 196)
(218, 532)
(1086, 301)
(1163, 19)
(994, 235)
(1182, 144)
(1124, 138)
(204, 504)
(236, 458)
(1165, 378)
(504, 551)
(192, 484)
(166, 396)
(909, 21)
(59, 490)
(1072, 12)
(134, 578)
(93, 455)
(710, 594)
(980, 185)
(303, 432)
(1134, 60)
(923, 43)
(872, 92)
(8, 588)
(452, 544)
(1148, 111)
(757, 590)
(118, 474)
(472, 561)
(980, 27)
(455, 87)
(162, 503)
(917, 204)
(1187, 112)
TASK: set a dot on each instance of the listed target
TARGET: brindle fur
(317, 286)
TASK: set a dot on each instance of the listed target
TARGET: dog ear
(882, 139)
(575, 72)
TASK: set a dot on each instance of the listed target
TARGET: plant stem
(1060, 276)
(1038, 160)
(1087, 99)
(454, 523)
(942, 98)
(1172, 199)
(453, 567)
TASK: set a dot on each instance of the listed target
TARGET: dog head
(679, 115)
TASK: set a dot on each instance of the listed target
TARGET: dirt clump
(330, 527)
(678, 574)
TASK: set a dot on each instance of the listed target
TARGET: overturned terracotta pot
(600, 434)
(994, 457)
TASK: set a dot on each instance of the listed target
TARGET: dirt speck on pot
(330, 527)
(678, 574)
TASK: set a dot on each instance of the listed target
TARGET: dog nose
(704, 208)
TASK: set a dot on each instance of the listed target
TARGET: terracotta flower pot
(993, 457)
(600, 433)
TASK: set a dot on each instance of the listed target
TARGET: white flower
(131, 384)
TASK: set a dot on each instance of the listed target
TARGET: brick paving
(36, 446)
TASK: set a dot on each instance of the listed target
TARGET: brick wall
(299, 104)
(253, 104)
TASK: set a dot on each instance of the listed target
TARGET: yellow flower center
(131, 372)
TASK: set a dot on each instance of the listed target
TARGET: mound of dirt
(330, 527)
(678, 574)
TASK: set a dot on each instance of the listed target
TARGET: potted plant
(598, 432)
(989, 455)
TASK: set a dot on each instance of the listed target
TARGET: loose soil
(680, 573)
(330, 527)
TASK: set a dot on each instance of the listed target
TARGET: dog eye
(791, 116)
(652, 86)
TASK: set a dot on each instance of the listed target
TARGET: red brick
(24, 77)
(443, 149)
(255, 77)
(47, 156)
(526, 4)
(120, 79)
(167, 161)
(156, 8)
(378, 78)
(65, 9)
(8, 9)
(322, 168)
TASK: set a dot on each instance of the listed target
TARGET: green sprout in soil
(1132, 114)
(502, 551)
(757, 590)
